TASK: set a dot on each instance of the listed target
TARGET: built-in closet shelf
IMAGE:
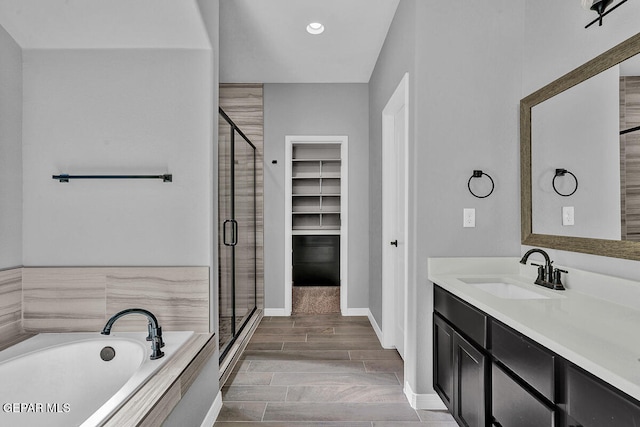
(313, 228)
(316, 195)
(318, 176)
(314, 232)
(313, 168)
(316, 186)
(315, 212)
(315, 160)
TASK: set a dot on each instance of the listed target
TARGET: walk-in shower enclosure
(236, 231)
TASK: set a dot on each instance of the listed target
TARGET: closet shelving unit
(315, 184)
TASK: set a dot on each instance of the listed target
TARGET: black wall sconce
(563, 172)
(478, 174)
(600, 7)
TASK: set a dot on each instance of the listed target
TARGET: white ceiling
(265, 41)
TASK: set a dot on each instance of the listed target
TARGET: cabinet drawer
(513, 406)
(593, 403)
(469, 320)
(526, 358)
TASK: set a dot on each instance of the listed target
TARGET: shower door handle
(234, 227)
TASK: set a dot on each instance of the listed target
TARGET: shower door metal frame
(235, 333)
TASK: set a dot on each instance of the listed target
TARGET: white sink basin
(504, 290)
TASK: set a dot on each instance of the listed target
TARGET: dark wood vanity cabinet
(594, 403)
(469, 383)
(524, 380)
(460, 362)
(443, 360)
(478, 378)
(514, 405)
(489, 374)
(460, 370)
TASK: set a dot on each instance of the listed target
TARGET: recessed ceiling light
(315, 28)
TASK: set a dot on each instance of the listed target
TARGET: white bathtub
(61, 380)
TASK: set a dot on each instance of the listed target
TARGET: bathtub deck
(155, 400)
(15, 339)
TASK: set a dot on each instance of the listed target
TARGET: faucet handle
(541, 269)
(557, 276)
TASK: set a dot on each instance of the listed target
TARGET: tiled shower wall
(83, 298)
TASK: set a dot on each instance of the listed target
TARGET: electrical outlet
(568, 217)
(469, 217)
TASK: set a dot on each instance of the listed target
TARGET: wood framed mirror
(532, 169)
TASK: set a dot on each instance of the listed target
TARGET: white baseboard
(276, 312)
(430, 401)
(356, 312)
(212, 415)
(375, 326)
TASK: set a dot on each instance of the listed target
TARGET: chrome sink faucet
(155, 331)
(548, 276)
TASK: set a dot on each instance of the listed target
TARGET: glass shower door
(226, 329)
(236, 231)
(245, 215)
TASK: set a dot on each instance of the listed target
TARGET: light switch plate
(469, 217)
(568, 217)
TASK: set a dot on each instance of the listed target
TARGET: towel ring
(562, 172)
(478, 174)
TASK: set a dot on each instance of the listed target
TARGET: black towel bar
(167, 177)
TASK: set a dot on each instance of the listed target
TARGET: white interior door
(399, 227)
(394, 218)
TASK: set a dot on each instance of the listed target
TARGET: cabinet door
(513, 406)
(470, 373)
(593, 403)
(443, 360)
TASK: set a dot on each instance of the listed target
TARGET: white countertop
(600, 335)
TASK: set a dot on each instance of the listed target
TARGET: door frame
(343, 141)
(398, 100)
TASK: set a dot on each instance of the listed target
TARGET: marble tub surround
(592, 324)
(83, 298)
(155, 400)
(10, 296)
(11, 307)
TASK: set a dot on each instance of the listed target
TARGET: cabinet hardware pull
(394, 243)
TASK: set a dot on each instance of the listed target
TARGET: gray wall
(556, 43)
(316, 109)
(466, 85)
(117, 111)
(195, 405)
(397, 57)
(10, 152)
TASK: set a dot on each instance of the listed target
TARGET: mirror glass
(581, 135)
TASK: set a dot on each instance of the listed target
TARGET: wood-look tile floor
(319, 371)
